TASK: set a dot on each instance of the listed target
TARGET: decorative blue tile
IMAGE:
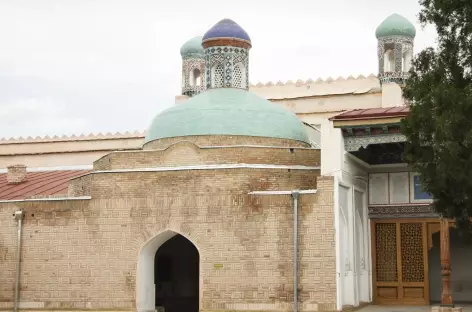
(227, 28)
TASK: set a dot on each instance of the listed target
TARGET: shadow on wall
(461, 274)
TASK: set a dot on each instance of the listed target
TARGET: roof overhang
(370, 116)
(366, 122)
(373, 135)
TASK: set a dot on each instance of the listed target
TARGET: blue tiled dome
(226, 28)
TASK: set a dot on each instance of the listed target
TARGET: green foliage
(439, 126)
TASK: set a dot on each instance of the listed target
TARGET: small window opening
(195, 77)
(389, 61)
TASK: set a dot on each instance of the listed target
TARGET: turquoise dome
(227, 111)
(193, 47)
(395, 25)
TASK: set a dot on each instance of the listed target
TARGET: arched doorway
(176, 277)
(168, 276)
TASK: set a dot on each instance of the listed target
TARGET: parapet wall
(185, 153)
(224, 140)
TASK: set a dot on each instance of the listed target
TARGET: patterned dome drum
(226, 28)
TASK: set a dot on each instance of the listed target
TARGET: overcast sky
(81, 66)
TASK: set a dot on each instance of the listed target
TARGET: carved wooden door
(400, 262)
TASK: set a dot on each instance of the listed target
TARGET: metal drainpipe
(18, 217)
(295, 196)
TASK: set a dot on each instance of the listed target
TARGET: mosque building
(240, 197)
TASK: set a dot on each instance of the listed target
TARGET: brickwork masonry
(186, 153)
(82, 254)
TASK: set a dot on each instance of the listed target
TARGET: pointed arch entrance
(168, 274)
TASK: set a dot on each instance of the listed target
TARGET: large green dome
(395, 25)
(193, 47)
(227, 111)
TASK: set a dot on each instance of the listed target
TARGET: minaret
(193, 67)
(226, 47)
(395, 37)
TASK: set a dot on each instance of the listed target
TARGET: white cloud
(70, 66)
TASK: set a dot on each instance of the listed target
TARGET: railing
(397, 77)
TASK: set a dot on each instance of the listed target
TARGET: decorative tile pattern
(226, 28)
(219, 72)
(367, 130)
(237, 75)
(400, 45)
(227, 66)
(352, 144)
(403, 211)
(189, 64)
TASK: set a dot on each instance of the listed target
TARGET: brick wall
(83, 254)
(221, 140)
(16, 174)
(186, 153)
(190, 183)
(80, 186)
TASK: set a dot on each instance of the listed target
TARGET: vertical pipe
(19, 218)
(295, 196)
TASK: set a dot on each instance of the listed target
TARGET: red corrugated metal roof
(371, 113)
(41, 183)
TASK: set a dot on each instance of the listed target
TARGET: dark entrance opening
(176, 276)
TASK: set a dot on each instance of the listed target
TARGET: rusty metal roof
(41, 183)
(372, 113)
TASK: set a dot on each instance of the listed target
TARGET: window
(407, 56)
(217, 76)
(389, 61)
(195, 77)
(239, 76)
(418, 195)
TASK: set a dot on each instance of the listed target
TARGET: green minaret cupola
(227, 48)
(395, 37)
(193, 67)
(396, 25)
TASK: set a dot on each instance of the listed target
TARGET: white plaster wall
(362, 246)
(316, 88)
(64, 151)
(314, 133)
(355, 177)
(353, 264)
(392, 95)
(331, 149)
(332, 103)
(346, 248)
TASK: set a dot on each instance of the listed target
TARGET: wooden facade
(403, 222)
(400, 260)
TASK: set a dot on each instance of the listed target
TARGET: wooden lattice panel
(386, 252)
(412, 252)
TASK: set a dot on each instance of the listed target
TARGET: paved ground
(374, 308)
